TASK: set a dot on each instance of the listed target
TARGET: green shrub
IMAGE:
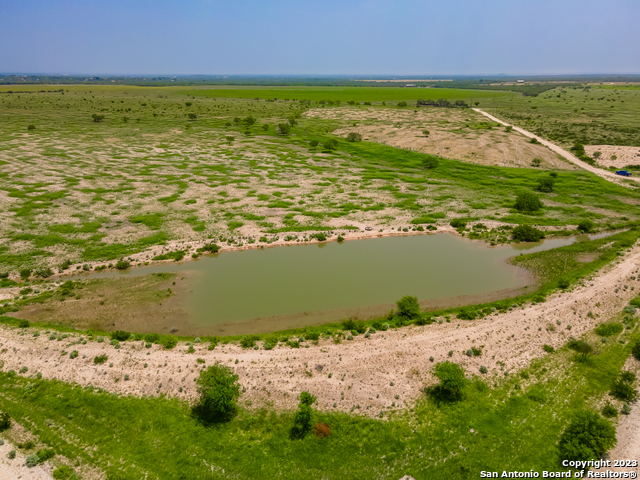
(45, 454)
(62, 473)
(354, 137)
(609, 411)
(629, 310)
(626, 409)
(452, 382)
(32, 461)
(5, 421)
(402, 104)
(120, 335)
(11, 455)
(545, 184)
(73, 354)
(528, 202)
(123, 264)
(430, 162)
(609, 329)
(564, 283)
(624, 391)
(303, 420)
(249, 341)
(312, 336)
(169, 342)
(483, 369)
(582, 348)
(100, 359)
(548, 348)
(527, 233)
(408, 307)
(219, 391)
(586, 226)
(22, 323)
(635, 350)
(152, 338)
(458, 223)
(588, 436)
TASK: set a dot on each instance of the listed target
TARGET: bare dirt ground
(612, 177)
(452, 134)
(16, 468)
(624, 155)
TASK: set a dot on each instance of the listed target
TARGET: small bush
(32, 461)
(321, 430)
(635, 350)
(609, 411)
(73, 354)
(626, 409)
(249, 341)
(408, 307)
(430, 163)
(5, 421)
(458, 223)
(609, 329)
(483, 369)
(11, 455)
(123, 264)
(354, 137)
(170, 342)
(527, 233)
(312, 336)
(45, 454)
(582, 348)
(100, 359)
(528, 202)
(120, 335)
(548, 348)
(624, 391)
(452, 382)
(303, 420)
(588, 436)
(564, 283)
(152, 338)
(586, 226)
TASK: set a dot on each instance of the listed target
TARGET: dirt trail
(612, 177)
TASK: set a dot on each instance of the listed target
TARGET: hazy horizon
(285, 37)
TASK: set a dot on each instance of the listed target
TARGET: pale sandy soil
(368, 372)
(17, 469)
(612, 177)
(628, 432)
(449, 135)
(624, 155)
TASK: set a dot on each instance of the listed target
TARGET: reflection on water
(300, 279)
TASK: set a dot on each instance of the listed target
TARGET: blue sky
(328, 37)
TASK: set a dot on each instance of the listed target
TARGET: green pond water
(300, 285)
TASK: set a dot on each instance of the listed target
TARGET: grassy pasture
(589, 114)
(346, 94)
(72, 188)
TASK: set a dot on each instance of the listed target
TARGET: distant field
(591, 115)
(346, 94)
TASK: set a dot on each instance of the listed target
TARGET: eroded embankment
(368, 373)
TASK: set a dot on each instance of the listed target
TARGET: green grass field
(591, 115)
(346, 94)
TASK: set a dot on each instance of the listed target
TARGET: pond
(284, 287)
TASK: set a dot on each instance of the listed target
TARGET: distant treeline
(442, 103)
(482, 83)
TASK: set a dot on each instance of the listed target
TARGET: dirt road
(612, 177)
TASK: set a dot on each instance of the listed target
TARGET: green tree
(192, 116)
(284, 128)
(303, 420)
(527, 233)
(402, 104)
(248, 121)
(452, 382)
(536, 162)
(528, 202)
(430, 162)
(31, 127)
(219, 391)
(330, 144)
(313, 143)
(588, 437)
(5, 421)
(25, 273)
(408, 307)
(354, 137)
(97, 118)
(586, 226)
(545, 184)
